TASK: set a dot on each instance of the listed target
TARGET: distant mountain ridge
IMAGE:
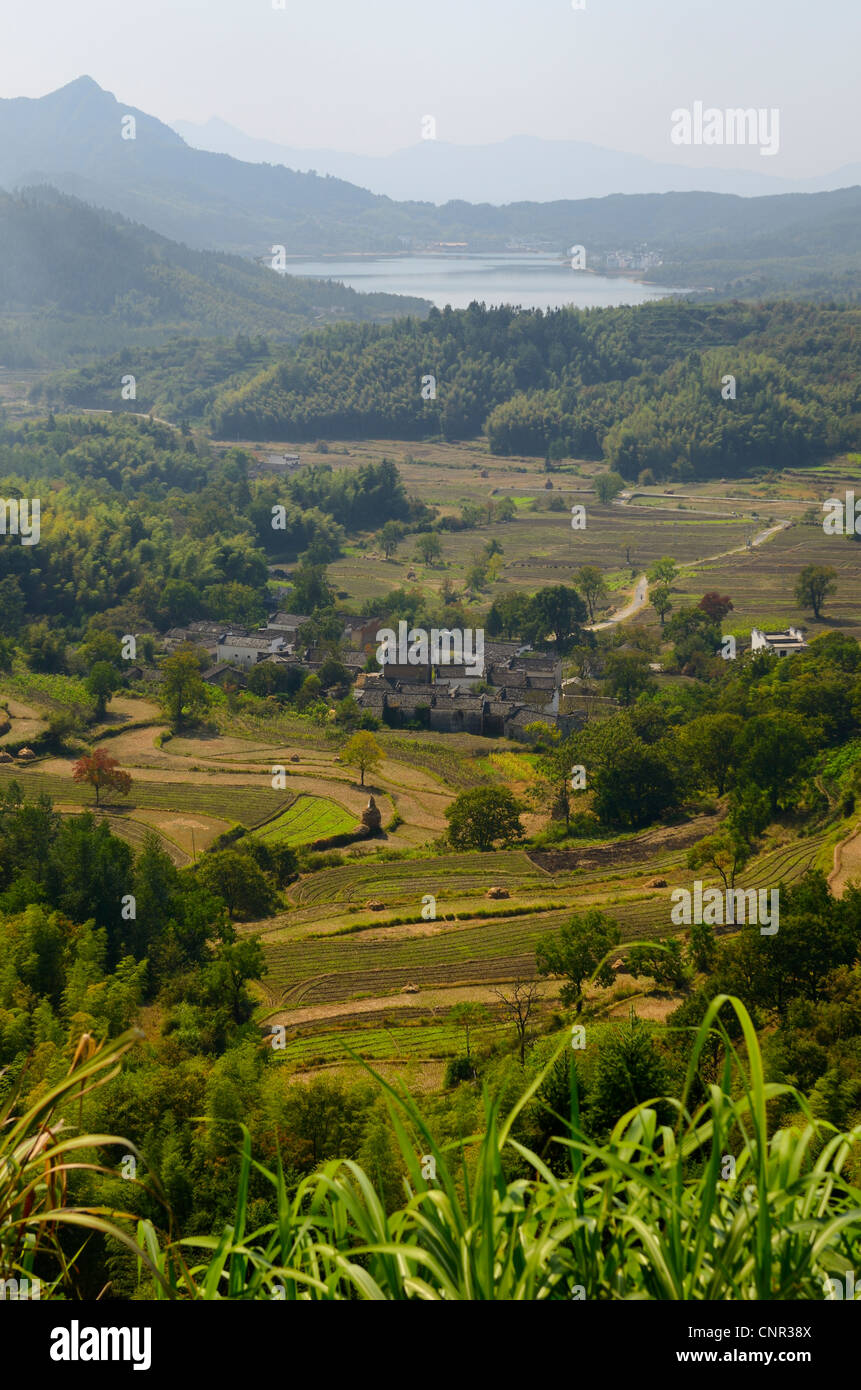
(522, 168)
(719, 243)
(73, 140)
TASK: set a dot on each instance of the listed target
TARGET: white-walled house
(781, 643)
(239, 650)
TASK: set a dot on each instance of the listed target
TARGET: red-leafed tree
(102, 772)
(716, 605)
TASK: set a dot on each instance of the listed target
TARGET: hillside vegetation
(639, 388)
(76, 281)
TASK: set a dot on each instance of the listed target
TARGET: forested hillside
(640, 388)
(75, 281)
(144, 525)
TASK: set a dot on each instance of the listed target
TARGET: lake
(530, 281)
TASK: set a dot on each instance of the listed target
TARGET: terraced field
(245, 805)
(761, 582)
(419, 1042)
(313, 968)
(134, 832)
(406, 882)
(309, 818)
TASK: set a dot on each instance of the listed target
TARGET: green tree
(663, 571)
(482, 817)
(556, 609)
(429, 547)
(390, 537)
(235, 878)
(634, 784)
(628, 675)
(815, 583)
(226, 975)
(773, 752)
(590, 582)
(579, 951)
(663, 960)
(661, 601)
(710, 744)
(100, 646)
(727, 852)
(183, 692)
(363, 751)
(46, 648)
(608, 485)
(311, 589)
(309, 691)
(629, 1070)
(101, 684)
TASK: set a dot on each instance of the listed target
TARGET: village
(499, 690)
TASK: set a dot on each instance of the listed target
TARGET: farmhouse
(285, 625)
(238, 650)
(360, 632)
(198, 634)
(783, 643)
(223, 675)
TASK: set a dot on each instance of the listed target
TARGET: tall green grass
(39, 1151)
(646, 1215)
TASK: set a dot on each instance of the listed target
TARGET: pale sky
(359, 76)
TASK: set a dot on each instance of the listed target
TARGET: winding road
(641, 590)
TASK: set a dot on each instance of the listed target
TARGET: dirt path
(638, 602)
(641, 590)
(847, 863)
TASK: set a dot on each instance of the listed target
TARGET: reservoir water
(530, 281)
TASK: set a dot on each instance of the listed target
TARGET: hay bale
(498, 893)
(656, 883)
(374, 905)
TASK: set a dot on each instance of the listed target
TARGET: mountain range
(523, 168)
(82, 141)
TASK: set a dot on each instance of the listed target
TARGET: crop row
(401, 881)
(309, 818)
(408, 1043)
(248, 806)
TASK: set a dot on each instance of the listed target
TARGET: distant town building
(236, 650)
(285, 625)
(782, 643)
